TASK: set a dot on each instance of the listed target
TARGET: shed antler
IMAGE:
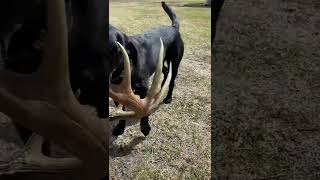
(138, 108)
(44, 102)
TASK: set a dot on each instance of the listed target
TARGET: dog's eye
(115, 50)
(119, 39)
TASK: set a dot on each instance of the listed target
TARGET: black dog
(143, 51)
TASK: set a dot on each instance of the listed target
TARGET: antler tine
(31, 159)
(55, 58)
(164, 91)
(123, 93)
(156, 85)
(37, 157)
(127, 70)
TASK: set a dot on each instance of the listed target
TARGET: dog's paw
(118, 130)
(145, 129)
(167, 100)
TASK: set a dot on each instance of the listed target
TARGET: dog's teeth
(78, 93)
(166, 64)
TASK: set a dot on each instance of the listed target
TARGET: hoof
(118, 130)
(167, 100)
(145, 130)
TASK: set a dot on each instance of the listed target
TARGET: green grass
(178, 146)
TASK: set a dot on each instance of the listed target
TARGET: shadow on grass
(179, 4)
(197, 5)
(120, 151)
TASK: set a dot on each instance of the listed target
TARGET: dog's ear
(120, 38)
(132, 52)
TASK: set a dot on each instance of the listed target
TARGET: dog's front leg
(144, 122)
(145, 126)
(119, 129)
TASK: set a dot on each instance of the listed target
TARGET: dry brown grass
(267, 90)
(178, 146)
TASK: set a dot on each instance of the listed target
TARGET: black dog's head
(88, 73)
(115, 55)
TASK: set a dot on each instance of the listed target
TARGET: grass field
(178, 146)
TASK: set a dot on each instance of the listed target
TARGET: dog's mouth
(86, 99)
(116, 59)
(116, 77)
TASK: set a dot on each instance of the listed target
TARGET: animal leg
(144, 122)
(119, 129)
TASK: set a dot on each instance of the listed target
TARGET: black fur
(143, 50)
(217, 6)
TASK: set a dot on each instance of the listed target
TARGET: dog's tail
(171, 14)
